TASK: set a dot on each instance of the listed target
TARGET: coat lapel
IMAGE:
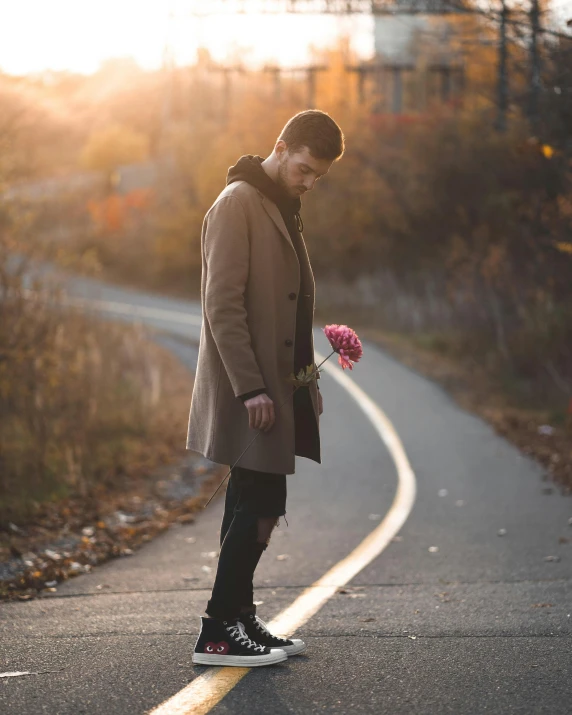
(273, 211)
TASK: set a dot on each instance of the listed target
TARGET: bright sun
(77, 35)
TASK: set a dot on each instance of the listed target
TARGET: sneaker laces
(239, 634)
(261, 626)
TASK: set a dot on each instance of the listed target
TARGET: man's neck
(270, 166)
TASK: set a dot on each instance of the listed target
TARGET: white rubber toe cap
(298, 646)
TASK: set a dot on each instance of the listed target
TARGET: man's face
(298, 172)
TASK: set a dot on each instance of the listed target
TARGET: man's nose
(309, 183)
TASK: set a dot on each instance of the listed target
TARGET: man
(257, 294)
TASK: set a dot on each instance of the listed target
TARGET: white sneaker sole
(298, 646)
(276, 655)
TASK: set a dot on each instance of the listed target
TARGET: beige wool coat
(250, 281)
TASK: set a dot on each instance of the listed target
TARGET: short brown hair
(315, 130)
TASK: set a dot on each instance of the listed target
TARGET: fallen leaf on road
(443, 492)
(190, 539)
(258, 603)
(412, 637)
(282, 557)
(552, 558)
(52, 555)
(433, 549)
(125, 518)
(501, 532)
(206, 569)
(209, 554)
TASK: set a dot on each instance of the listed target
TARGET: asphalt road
(482, 624)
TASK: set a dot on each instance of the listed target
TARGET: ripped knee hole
(266, 525)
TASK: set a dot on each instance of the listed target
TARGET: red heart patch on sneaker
(221, 648)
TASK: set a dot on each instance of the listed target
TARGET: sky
(77, 35)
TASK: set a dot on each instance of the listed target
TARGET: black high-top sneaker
(258, 630)
(226, 643)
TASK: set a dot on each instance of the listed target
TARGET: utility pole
(444, 72)
(362, 70)
(397, 71)
(502, 80)
(451, 79)
(276, 73)
(311, 72)
(533, 106)
(227, 73)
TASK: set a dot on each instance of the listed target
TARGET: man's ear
(280, 148)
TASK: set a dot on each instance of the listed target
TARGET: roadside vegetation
(85, 405)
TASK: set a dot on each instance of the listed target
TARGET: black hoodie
(249, 168)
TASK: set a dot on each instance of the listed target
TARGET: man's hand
(260, 412)
(320, 403)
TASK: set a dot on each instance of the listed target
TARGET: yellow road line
(205, 691)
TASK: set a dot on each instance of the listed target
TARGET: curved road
(451, 617)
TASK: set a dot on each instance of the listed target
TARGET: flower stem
(256, 435)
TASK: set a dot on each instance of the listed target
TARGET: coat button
(288, 343)
(292, 296)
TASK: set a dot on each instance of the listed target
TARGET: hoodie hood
(249, 168)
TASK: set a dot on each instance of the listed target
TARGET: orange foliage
(113, 213)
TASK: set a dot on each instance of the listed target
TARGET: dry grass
(85, 404)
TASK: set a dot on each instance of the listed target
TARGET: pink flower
(346, 343)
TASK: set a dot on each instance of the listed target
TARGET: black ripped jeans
(249, 495)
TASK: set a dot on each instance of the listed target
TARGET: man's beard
(281, 180)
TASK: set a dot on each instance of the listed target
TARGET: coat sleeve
(252, 393)
(227, 257)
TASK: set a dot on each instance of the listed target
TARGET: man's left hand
(320, 403)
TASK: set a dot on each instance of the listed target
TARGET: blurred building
(417, 63)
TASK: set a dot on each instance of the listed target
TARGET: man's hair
(315, 130)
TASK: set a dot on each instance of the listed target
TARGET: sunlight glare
(78, 36)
